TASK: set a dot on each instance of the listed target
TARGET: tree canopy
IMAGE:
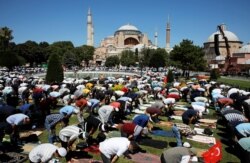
(112, 61)
(127, 58)
(55, 69)
(187, 56)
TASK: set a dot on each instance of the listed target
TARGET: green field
(242, 84)
(227, 156)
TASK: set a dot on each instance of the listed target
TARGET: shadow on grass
(78, 155)
(232, 151)
(172, 144)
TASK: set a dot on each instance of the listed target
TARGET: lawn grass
(242, 84)
(227, 156)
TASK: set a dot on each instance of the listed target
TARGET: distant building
(239, 53)
(127, 37)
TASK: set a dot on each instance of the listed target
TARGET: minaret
(168, 49)
(92, 35)
(156, 39)
(89, 29)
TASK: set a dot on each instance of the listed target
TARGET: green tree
(70, 59)
(5, 37)
(112, 61)
(158, 59)
(214, 74)
(9, 59)
(85, 53)
(127, 58)
(187, 56)
(170, 76)
(55, 69)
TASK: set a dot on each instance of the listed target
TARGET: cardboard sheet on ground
(208, 121)
(203, 139)
(28, 147)
(159, 144)
(176, 117)
(200, 131)
(85, 160)
(137, 111)
(163, 133)
(13, 157)
(180, 107)
(145, 158)
(28, 133)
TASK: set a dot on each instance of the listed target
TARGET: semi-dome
(244, 49)
(128, 27)
(230, 36)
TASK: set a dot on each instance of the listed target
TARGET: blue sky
(65, 20)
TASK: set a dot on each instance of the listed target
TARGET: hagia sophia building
(129, 37)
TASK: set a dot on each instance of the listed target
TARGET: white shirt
(70, 133)
(114, 146)
(42, 153)
(16, 119)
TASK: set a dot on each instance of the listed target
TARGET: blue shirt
(243, 129)
(141, 120)
(25, 109)
(68, 110)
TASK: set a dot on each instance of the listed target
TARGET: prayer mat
(145, 158)
(92, 149)
(202, 139)
(200, 131)
(28, 133)
(178, 112)
(176, 117)
(138, 111)
(159, 144)
(163, 133)
(208, 121)
(165, 123)
(181, 103)
(85, 160)
(28, 147)
(13, 157)
(180, 107)
(142, 107)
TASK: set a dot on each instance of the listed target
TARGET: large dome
(244, 49)
(128, 27)
(230, 36)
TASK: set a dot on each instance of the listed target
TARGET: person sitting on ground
(46, 152)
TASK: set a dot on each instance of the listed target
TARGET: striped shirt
(53, 119)
(42, 153)
(70, 133)
(232, 117)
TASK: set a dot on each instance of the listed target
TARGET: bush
(214, 74)
(55, 70)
